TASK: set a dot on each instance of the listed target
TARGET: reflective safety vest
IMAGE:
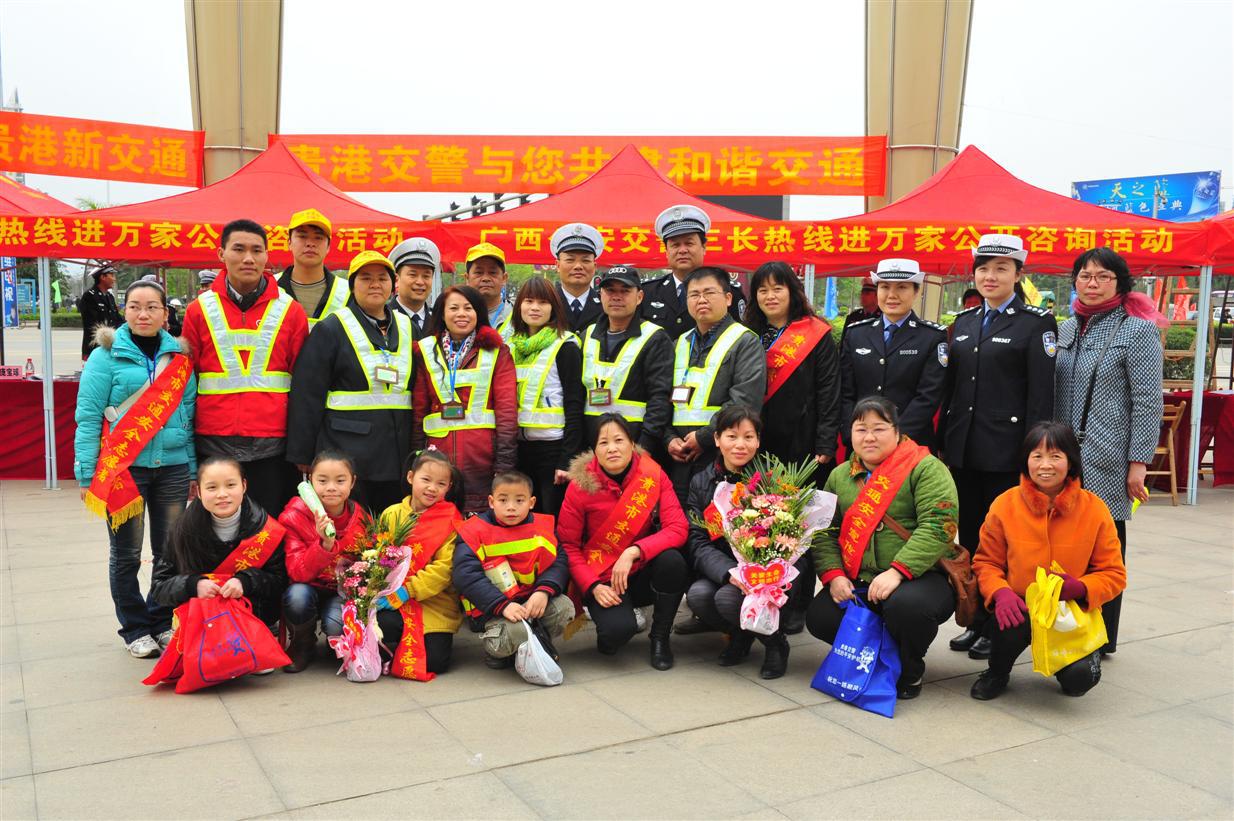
(336, 298)
(379, 396)
(696, 412)
(505, 326)
(613, 375)
(512, 557)
(228, 342)
(479, 378)
(532, 413)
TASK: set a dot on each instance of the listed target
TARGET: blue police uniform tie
(888, 333)
(988, 321)
(576, 311)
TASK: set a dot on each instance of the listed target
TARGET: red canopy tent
(16, 198)
(940, 221)
(1221, 240)
(622, 200)
(184, 228)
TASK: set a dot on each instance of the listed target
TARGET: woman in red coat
(465, 395)
(622, 529)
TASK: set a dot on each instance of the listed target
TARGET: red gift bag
(216, 640)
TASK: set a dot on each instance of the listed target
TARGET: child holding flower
(314, 543)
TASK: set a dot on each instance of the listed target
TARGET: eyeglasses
(1104, 278)
(707, 295)
(143, 309)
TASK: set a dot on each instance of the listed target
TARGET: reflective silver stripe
(259, 341)
(382, 397)
(697, 412)
(478, 378)
(531, 413)
(339, 293)
(613, 375)
(506, 327)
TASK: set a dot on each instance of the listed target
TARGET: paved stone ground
(82, 738)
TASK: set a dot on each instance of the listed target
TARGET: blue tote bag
(864, 663)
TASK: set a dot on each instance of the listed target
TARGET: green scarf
(526, 348)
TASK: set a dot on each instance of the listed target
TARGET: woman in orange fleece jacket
(1048, 518)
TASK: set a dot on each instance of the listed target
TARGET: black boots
(737, 649)
(965, 640)
(301, 644)
(662, 615)
(989, 685)
(775, 656)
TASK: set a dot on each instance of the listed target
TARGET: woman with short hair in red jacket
(622, 529)
(465, 395)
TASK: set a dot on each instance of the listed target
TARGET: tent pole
(1204, 318)
(808, 275)
(52, 481)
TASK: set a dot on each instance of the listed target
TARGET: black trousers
(1076, 678)
(377, 496)
(977, 490)
(438, 647)
(1113, 609)
(539, 460)
(271, 482)
(665, 574)
(912, 614)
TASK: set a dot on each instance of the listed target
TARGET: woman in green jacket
(889, 486)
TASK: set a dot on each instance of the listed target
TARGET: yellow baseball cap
(310, 216)
(369, 258)
(486, 249)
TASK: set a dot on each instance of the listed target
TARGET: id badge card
(682, 393)
(453, 410)
(386, 375)
(599, 397)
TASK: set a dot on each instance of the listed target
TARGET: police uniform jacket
(910, 372)
(997, 386)
(661, 306)
(592, 309)
(741, 379)
(416, 333)
(378, 440)
(650, 381)
(97, 308)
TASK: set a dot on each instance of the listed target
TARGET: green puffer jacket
(926, 505)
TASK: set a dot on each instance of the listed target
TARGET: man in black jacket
(417, 262)
(351, 387)
(683, 230)
(97, 307)
(577, 246)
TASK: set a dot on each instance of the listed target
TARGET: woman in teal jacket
(129, 360)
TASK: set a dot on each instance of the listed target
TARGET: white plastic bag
(535, 665)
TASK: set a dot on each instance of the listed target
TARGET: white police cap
(682, 219)
(576, 236)
(416, 251)
(1000, 245)
(898, 270)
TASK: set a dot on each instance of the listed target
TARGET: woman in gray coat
(1111, 348)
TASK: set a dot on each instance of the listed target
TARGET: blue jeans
(303, 603)
(165, 491)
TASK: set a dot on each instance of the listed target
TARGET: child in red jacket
(312, 554)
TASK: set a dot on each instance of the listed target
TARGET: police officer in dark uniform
(417, 265)
(683, 230)
(999, 383)
(896, 354)
(97, 307)
(577, 246)
(868, 309)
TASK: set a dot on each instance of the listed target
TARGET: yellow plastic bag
(1062, 633)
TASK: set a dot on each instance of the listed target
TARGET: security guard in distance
(683, 230)
(577, 246)
(895, 354)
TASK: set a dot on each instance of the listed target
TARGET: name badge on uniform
(682, 393)
(599, 397)
(386, 375)
(453, 410)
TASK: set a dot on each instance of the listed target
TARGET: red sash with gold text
(867, 510)
(433, 529)
(791, 349)
(626, 520)
(254, 551)
(113, 493)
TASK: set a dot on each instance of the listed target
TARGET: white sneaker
(640, 620)
(164, 638)
(143, 648)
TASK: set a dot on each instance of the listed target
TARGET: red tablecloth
(21, 424)
(1216, 430)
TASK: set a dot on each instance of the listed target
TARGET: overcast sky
(1056, 91)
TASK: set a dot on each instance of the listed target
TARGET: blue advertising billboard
(1189, 197)
(8, 291)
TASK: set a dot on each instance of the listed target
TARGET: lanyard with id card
(600, 395)
(453, 410)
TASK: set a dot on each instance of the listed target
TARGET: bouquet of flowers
(768, 520)
(376, 567)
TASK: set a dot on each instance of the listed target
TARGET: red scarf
(790, 349)
(113, 493)
(433, 529)
(867, 510)
(1134, 303)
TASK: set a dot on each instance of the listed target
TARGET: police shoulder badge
(942, 354)
(1050, 343)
